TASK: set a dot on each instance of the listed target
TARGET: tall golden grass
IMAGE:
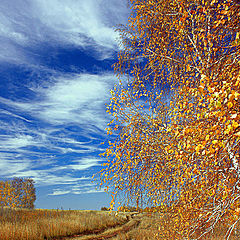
(19, 224)
(159, 226)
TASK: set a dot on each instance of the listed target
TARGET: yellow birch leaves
(177, 115)
(18, 193)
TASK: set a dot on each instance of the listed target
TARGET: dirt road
(133, 222)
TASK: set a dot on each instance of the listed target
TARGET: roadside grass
(19, 224)
(146, 230)
(159, 226)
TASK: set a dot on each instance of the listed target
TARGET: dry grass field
(89, 225)
(52, 224)
(158, 226)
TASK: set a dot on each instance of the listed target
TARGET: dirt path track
(110, 233)
(105, 234)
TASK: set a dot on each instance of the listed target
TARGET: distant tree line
(18, 193)
(105, 209)
(124, 208)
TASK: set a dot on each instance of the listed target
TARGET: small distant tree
(104, 209)
(29, 196)
(19, 192)
(129, 209)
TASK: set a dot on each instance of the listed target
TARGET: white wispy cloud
(78, 98)
(37, 153)
(62, 139)
(45, 167)
(5, 112)
(50, 176)
(84, 163)
(28, 24)
(11, 166)
(18, 141)
(81, 189)
(87, 17)
(58, 192)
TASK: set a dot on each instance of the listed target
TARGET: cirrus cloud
(29, 25)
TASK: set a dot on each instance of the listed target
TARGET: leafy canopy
(176, 113)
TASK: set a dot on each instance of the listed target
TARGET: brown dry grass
(49, 224)
(158, 226)
(146, 230)
(52, 224)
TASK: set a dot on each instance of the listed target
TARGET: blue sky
(56, 76)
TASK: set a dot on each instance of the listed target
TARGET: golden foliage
(17, 193)
(177, 116)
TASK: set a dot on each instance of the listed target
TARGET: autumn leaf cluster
(17, 193)
(176, 113)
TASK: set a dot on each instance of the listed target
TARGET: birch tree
(177, 115)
